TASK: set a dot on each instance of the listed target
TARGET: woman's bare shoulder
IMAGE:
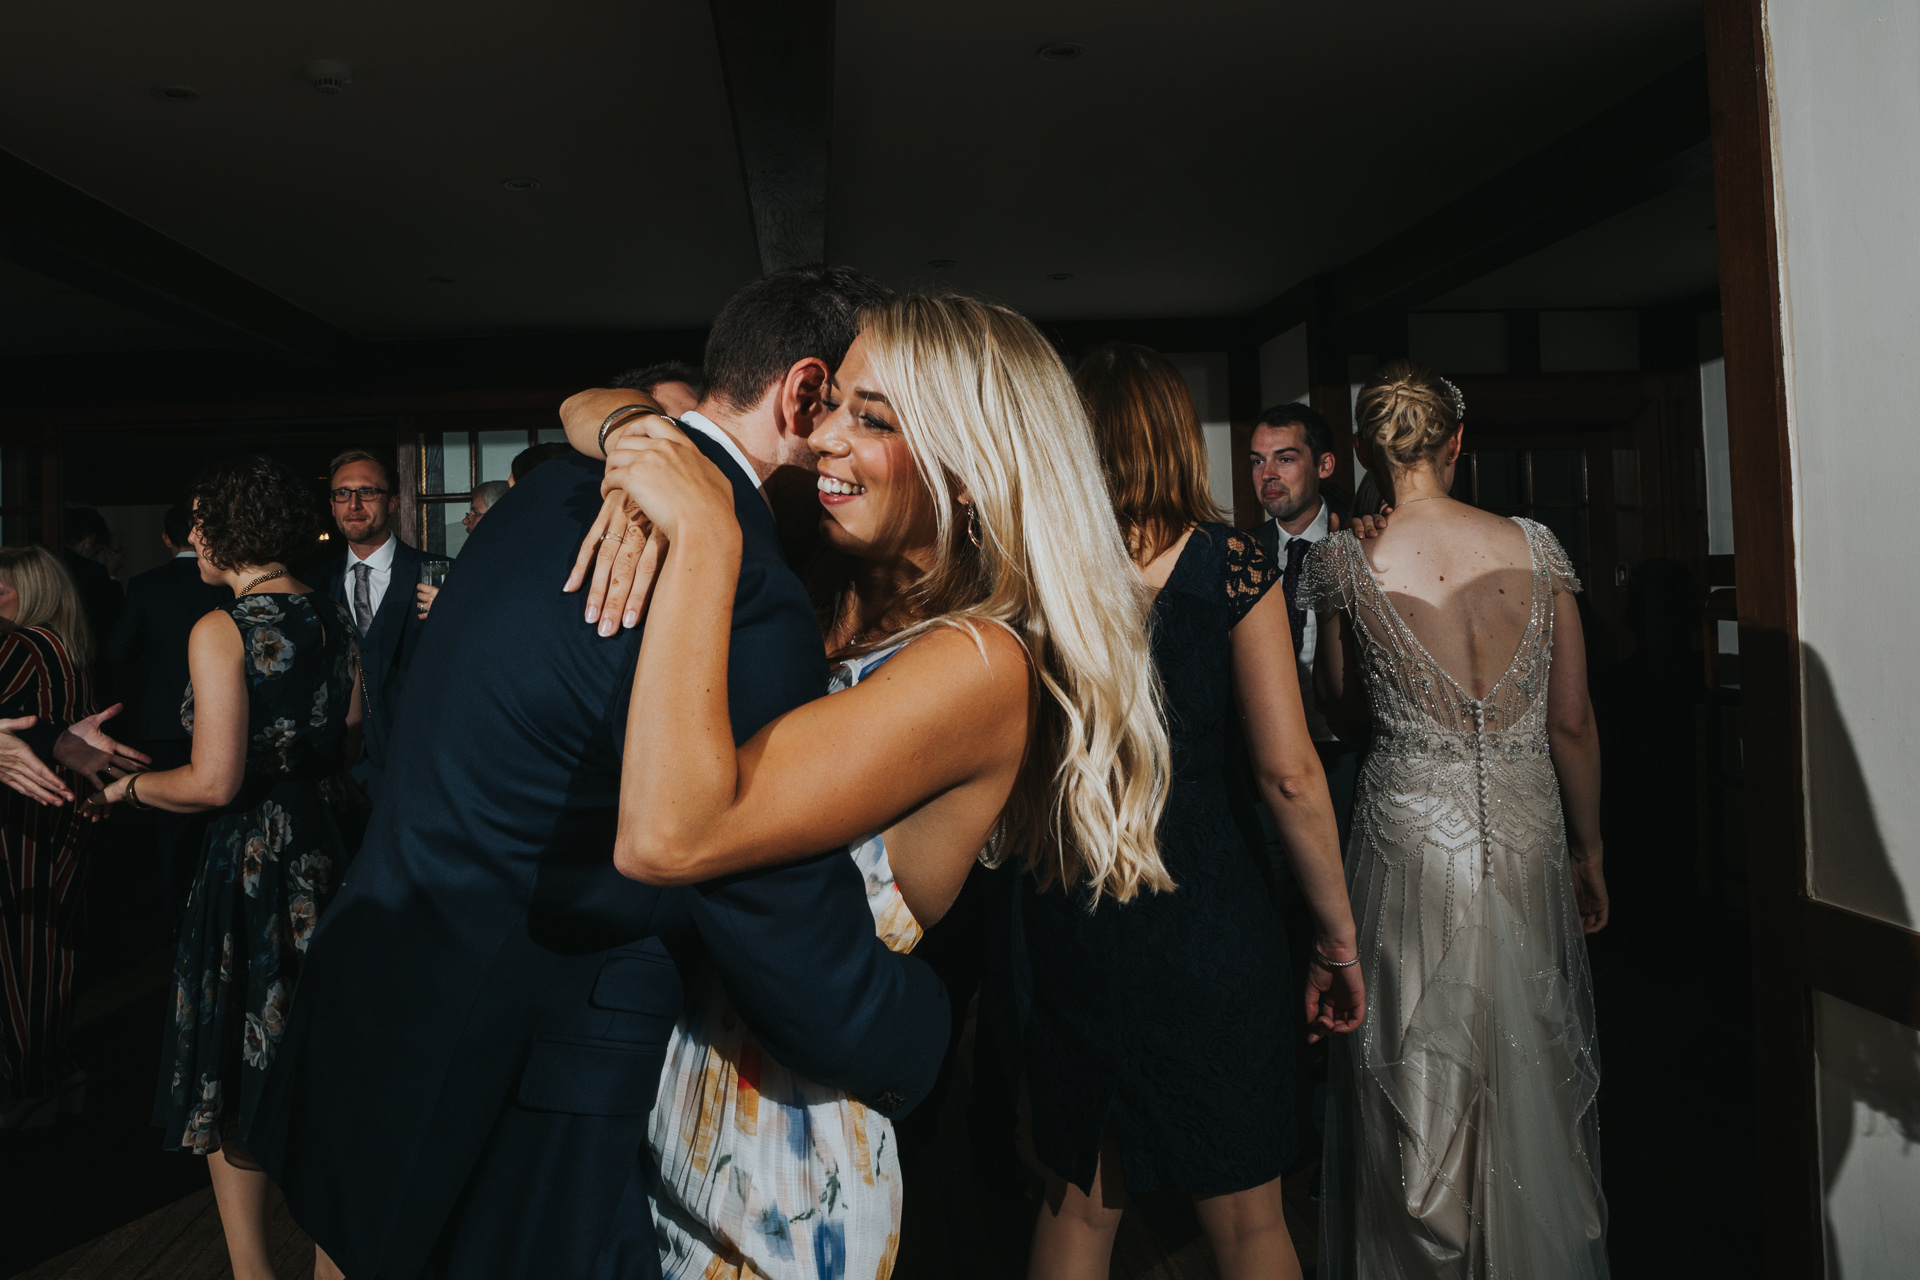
(967, 648)
(217, 628)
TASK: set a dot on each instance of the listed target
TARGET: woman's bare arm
(1575, 743)
(1287, 772)
(211, 779)
(1339, 690)
(583, 413)
(948, 715)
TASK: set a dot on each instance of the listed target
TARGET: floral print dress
(269, 864)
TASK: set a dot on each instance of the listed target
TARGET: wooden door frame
(1800, 945)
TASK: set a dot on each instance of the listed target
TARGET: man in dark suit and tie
(1291, 455)
(464, 1083)
(374, 580)
(161, 607)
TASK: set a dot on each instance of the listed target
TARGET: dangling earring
(973, 528)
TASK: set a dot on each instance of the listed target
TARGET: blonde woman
(1462, 1139)
(45, 650)
(998, 695)
(1160, 1050)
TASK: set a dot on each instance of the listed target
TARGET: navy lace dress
(1168, 1015)
(269, 864)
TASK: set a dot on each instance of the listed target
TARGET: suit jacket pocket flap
(638, 984)
(591, 1077)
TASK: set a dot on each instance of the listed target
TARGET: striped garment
(43, 848)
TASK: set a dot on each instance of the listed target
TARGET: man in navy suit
(464, 1083)
(374, 580)
(161, 607)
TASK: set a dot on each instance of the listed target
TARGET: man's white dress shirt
(704, 425)
(1309, 634)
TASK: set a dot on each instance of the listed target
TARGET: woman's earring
(973, 528)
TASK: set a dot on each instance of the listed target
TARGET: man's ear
(1326, 464)
(803, 397)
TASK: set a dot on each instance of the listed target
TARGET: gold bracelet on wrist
(132, 798)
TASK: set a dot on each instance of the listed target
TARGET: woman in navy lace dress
(1160, 1048)
(273, 692)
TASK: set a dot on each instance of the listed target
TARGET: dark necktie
(363, 597)
(1290, 583)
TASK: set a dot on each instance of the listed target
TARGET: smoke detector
(328, 76)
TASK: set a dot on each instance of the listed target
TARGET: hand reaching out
(23, 771)
(86, 749)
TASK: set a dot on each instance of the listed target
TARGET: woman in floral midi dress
(264, 738)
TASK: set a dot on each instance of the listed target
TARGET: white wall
(1206, 375)
(1847, 135)
(1285, 377)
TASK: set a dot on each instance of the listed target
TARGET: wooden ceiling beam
(67, 235)
(777, 56)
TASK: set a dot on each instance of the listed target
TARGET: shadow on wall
(1869, 1066)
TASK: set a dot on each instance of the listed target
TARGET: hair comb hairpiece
(1459, 401)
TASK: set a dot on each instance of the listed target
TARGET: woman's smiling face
(874, 504)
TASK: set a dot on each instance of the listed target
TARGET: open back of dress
(1462, 1141)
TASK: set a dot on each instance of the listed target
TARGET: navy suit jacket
(481, 1020)
(162, 606)
(386, 653)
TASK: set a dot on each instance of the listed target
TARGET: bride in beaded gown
(1462, 1137)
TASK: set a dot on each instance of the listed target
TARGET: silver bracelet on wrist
(631, 411)
(1335, 964)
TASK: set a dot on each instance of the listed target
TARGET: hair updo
(1405, 414)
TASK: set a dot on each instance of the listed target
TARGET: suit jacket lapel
(390, 619)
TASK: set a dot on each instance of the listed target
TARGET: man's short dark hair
(782, 319)
(527, 459)
(176, 523)
(80, 523)
(646, 379)
(362, 455)
(1319, 434)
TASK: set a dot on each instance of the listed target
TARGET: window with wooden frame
(452, 464)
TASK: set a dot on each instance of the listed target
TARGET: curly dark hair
(252, 511)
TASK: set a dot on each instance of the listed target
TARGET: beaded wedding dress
(1462, 1141)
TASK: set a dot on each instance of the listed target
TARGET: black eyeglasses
(342, 497)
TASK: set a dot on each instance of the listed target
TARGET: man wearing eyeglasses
(374, 582)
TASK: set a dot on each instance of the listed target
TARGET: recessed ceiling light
(1059, 51)
(328, 76)
(522, 184)
(942, 264)
(1060, 275)
(175, 93)
(440, 280)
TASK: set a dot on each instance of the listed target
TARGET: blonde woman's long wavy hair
(987, 408)
(47, 599)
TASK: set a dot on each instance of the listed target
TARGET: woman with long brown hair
(1159, 1054)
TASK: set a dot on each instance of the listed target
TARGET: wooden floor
(958, 1226)
(180, 1242)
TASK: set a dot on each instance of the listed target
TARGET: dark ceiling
(1195, 160)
